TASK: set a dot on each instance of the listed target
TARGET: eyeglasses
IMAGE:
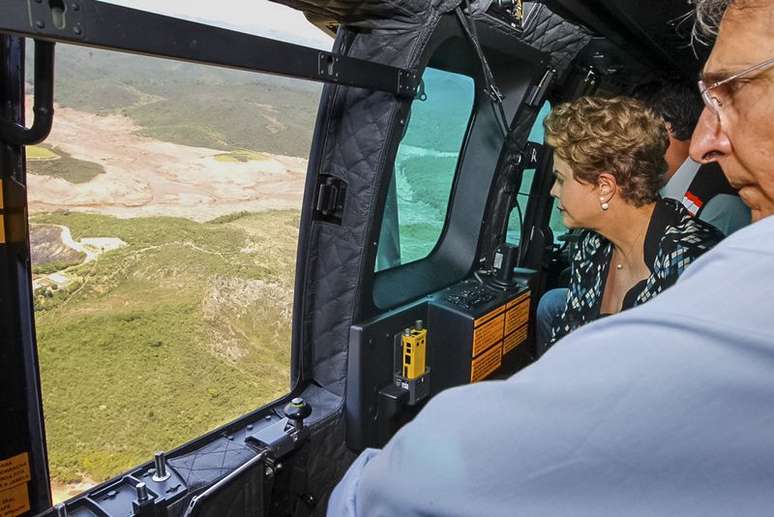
(715, 97)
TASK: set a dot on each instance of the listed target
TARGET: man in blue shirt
(665, 409)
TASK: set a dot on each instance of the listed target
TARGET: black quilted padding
(358, 122)
(381, 13)
(241, 496)
(551, 34)
(212, 461)
(327, 462)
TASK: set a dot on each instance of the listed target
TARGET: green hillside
(188, 326)
(155, 343)
(44, 160)
(191, 104)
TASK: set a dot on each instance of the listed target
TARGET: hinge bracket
(329, 200)
(408, 82)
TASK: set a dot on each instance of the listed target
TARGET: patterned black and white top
(673, 240)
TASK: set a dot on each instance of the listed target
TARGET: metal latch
(408, 82)
(514, 7)
(285, 436)
(329, 66)
(329, 204)
(57, 17)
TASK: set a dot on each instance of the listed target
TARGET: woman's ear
(607, 187)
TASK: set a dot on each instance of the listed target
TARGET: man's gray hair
(708, 16)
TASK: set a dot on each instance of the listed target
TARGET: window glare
(421, 184)
(259, 17)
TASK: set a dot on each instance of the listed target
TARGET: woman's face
(578, 202)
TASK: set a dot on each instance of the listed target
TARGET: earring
(605, 206)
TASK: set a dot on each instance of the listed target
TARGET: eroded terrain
(147, 177)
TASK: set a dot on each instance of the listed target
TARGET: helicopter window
(425, 166)
(164, 211)
(514, 221)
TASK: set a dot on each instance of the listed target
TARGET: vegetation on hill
(40, 153)
(47, 161)
(182, 330)
(242, 156)
(191, 104)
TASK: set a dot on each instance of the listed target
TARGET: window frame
(519, 191)
(455, 173)
(455, 253)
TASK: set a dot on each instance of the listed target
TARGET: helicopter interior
(378, 329)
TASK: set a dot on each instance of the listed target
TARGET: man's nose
(709, 140)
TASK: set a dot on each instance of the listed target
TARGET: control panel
(471, 331)
(474, 330)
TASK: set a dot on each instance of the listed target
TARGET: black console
(470, 331)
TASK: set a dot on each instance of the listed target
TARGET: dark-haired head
(678, 103)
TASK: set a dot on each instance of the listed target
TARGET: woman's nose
(709, 140)
(554, 190)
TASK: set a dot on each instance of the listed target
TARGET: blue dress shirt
(664, 409)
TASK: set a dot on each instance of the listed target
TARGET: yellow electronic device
(414, 343)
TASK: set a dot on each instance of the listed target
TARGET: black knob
(160, 462)
(142, 493)
(297, 410)
(142, 506)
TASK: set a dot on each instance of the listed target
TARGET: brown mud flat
(148, 177)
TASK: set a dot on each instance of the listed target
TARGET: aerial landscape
(164, 211)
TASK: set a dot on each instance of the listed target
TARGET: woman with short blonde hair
(609, 166)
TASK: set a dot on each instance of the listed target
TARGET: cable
(469, 28)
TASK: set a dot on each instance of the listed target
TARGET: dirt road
(90, 247)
